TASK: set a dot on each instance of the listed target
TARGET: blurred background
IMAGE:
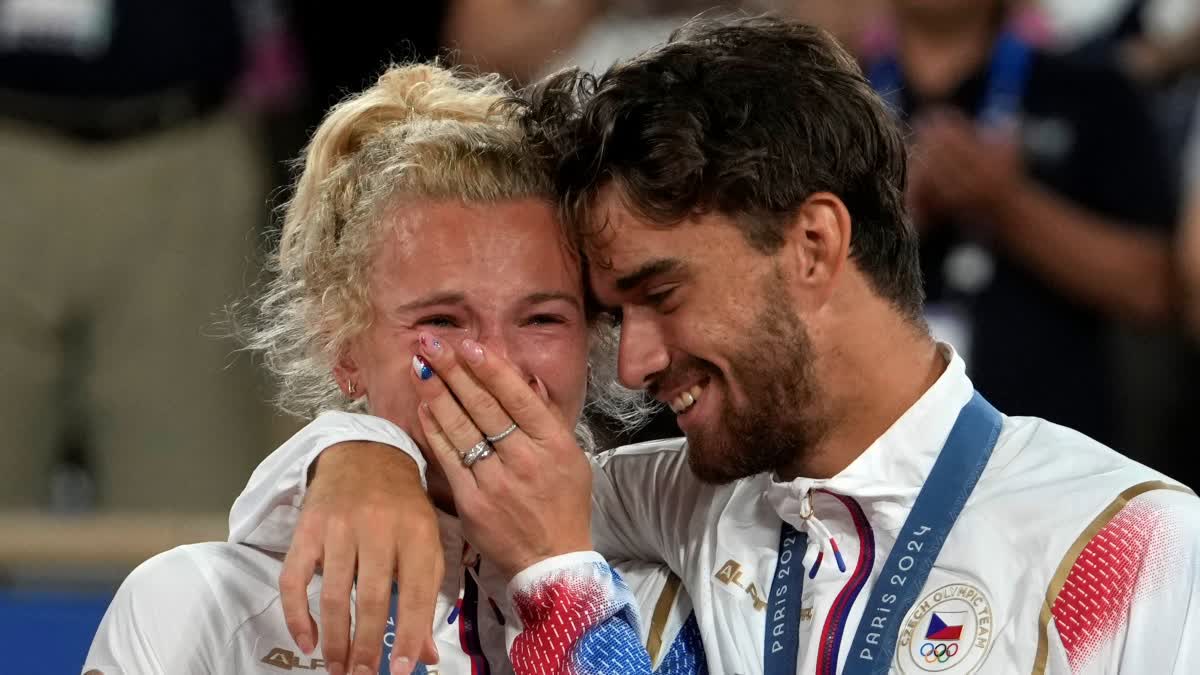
(145, 145)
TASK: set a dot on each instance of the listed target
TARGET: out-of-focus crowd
(1054, 177)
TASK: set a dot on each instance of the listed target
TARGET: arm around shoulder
(265, 514)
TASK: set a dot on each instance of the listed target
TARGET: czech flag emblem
(946, 626)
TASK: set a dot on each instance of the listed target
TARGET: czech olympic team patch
(949, 629)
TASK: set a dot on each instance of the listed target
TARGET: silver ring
(475, 453)
(503, 434)
(488, 452)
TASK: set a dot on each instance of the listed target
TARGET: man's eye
(659, 297)
(440, 321)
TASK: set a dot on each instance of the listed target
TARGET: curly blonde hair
(421, 132)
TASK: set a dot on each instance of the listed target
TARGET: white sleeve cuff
(538, 572)
(342, 427)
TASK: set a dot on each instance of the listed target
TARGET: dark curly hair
(746, 117)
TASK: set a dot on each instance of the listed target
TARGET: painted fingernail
(422, 367)
(304, 642)
(472, 351)
(401, 666)
(431, 344)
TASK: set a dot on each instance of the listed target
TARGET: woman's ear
(348, 375)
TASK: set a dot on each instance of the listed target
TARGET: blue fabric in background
(48, 632)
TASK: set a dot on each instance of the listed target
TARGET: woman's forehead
(508, 248)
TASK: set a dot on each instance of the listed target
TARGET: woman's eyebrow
(442, 298)
(550, 296)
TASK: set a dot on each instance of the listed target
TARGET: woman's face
(501, 274)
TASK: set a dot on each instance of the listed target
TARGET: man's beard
(781, 419)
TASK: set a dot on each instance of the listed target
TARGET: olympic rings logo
(939, 653)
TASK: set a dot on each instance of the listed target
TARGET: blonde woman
(419, 216)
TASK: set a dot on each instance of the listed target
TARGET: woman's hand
(366, 516)
(530, 499)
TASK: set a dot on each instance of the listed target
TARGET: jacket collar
(886, 478)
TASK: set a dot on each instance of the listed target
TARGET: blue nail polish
(422, 367)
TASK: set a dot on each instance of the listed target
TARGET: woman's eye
(545, 319)
(439, 321)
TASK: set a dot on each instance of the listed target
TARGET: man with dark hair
(844, 500)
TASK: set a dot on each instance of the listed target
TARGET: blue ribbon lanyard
(937, 507)
(389, 639)
(783, 605)
(1008, 77)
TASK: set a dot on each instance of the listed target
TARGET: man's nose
(643, 352)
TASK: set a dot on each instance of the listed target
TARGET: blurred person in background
(620, 29)
(1153, 33)
(1189, 248)
(1157, 44)
(1161, 55)
(1043, 202)
(131, 192)
(516, 38)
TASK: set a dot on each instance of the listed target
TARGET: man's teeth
(686, 400)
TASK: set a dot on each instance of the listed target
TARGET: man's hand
(366, 516)
(531, 499)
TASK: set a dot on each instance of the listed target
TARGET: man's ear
(818, 243)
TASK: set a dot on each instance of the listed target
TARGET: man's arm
(366, 522)
(266, 512)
